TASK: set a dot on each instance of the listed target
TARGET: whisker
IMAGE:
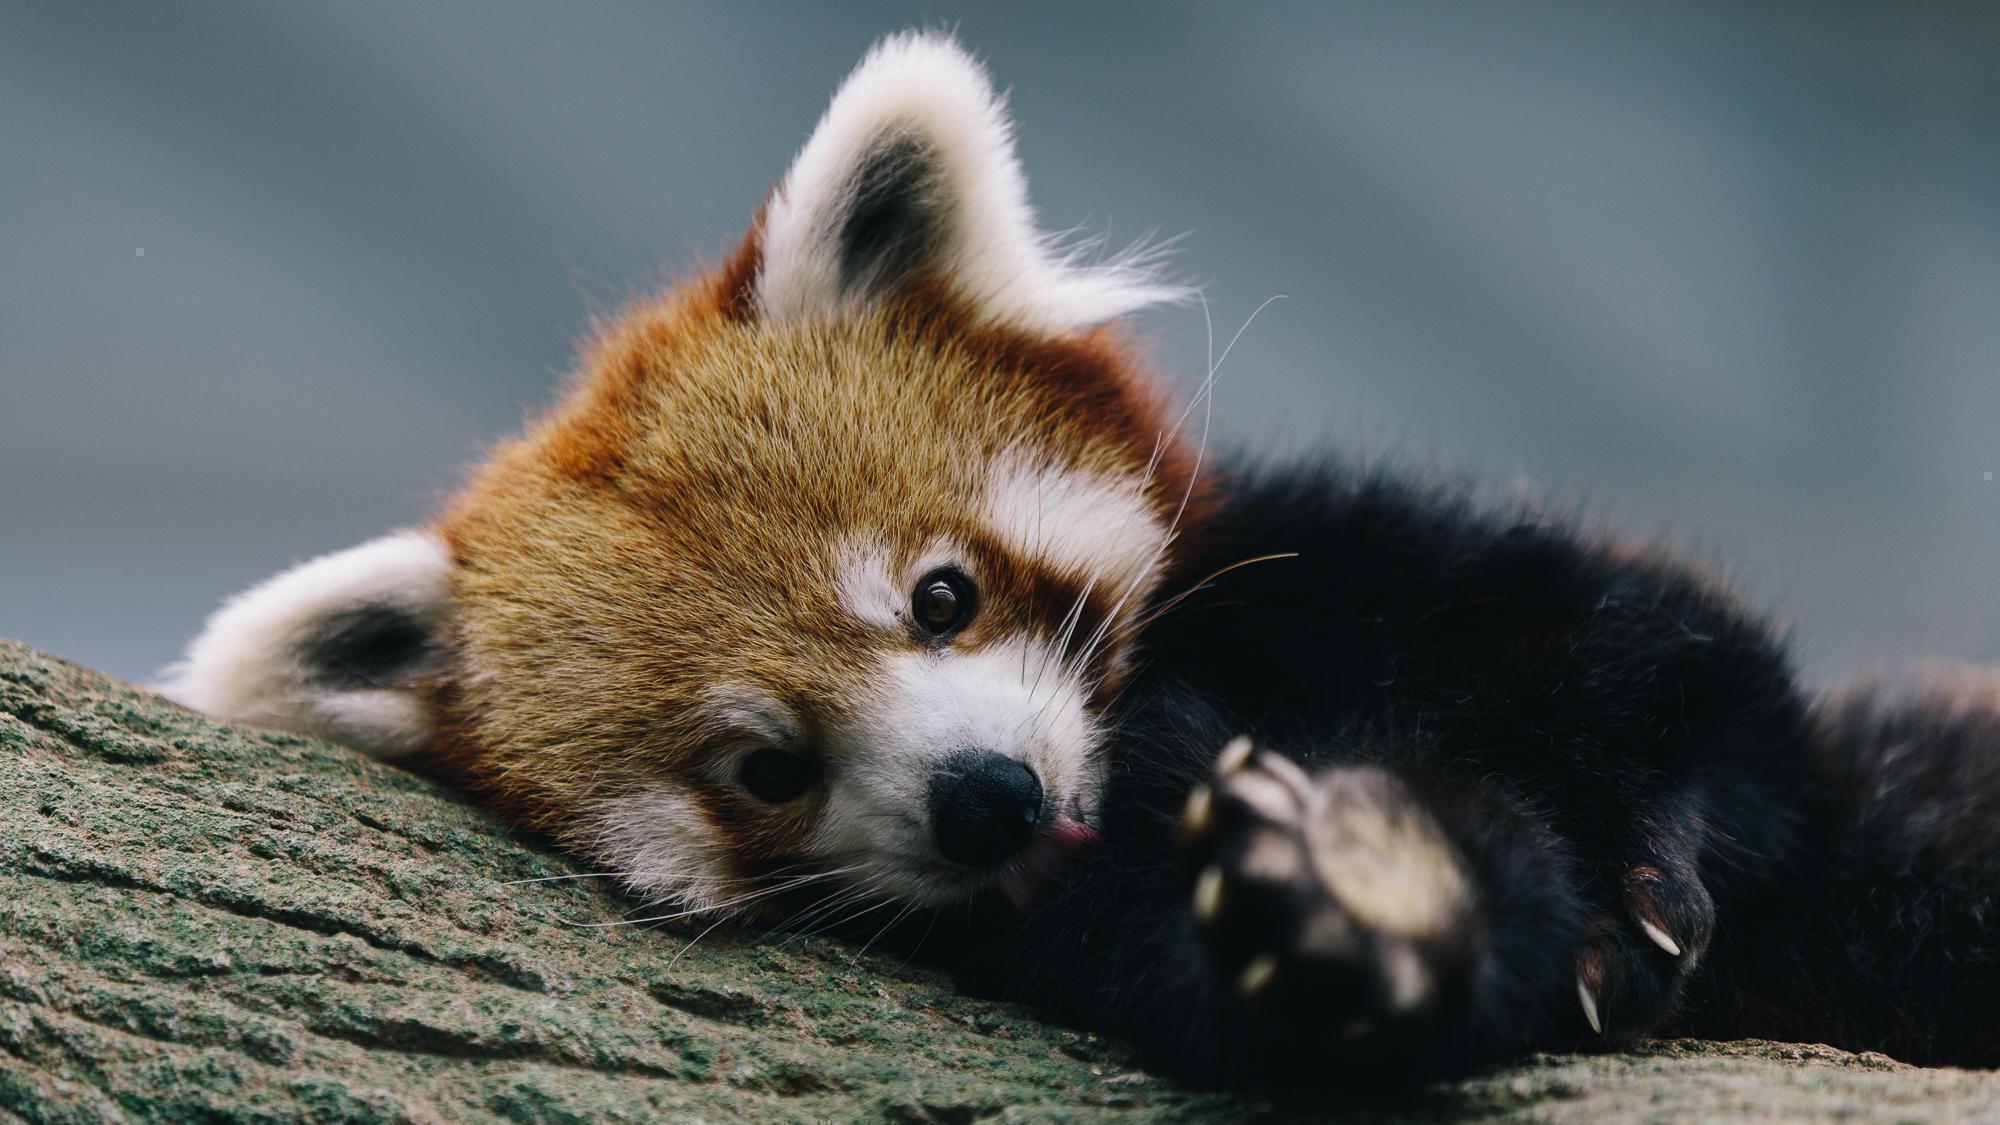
(1171, 603)
(840, 902)
(886, 927)
(837, 898)
(556, 878)
(1204, 396)
(918, 947)
(663, 899)
(1067, 629)
(857, 915)
(697, 939)
(762, 892)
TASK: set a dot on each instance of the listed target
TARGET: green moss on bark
(201, 922)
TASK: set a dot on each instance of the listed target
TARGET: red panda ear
(911, 177)
(335, 647)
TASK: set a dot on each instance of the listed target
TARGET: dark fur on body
(1879, 930)
(1569, 713)
(1506, 785)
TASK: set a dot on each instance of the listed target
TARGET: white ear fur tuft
(327, 648)
(917, 138)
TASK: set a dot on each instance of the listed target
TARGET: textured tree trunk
(206, 923)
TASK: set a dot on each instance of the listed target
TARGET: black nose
(984, 807)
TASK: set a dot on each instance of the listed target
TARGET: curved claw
(1589, 1000)
(1199, 810)
(1257, 974)
(1208, 895)
(1659, 937)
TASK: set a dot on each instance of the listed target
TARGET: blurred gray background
(1729, 274)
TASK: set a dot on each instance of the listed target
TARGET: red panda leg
(1346, 901)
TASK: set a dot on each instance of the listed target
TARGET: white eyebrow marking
(865, 584)
(868, 585)
(752, 711)
(1080, 522)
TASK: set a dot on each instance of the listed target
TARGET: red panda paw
(1330, 899)
(1630, 970)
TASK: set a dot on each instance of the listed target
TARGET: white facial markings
(753, 713)
(664, 846)
(873, 590)
(1017, 695)
(1012, 698)
(865, 583)
(1074, 521)
(937, 553)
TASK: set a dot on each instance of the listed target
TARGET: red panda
(727, 563)
(874, 560)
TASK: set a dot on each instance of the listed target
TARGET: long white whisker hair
(1066, 633)
(696, 940)
(891, 924)
(1173, 603)
(1108, 630)
(1068, 626)
(812, 909)
(728, 908)
(850, 906)
(1204, 397)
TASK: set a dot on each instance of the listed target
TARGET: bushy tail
(1882, 931)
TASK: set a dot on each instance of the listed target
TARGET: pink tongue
(1030, 875)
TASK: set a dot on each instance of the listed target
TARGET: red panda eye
(943, 601)
(777, 776)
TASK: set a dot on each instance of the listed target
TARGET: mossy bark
(200, 922)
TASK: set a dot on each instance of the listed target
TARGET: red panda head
(822, 569)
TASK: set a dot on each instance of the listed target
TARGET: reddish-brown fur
(667, 527)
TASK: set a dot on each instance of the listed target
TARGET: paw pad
(1331, 893)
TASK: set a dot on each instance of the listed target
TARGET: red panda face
(821, 573)
(842, 595)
